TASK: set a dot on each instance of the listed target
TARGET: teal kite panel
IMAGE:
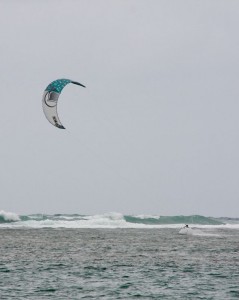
(57, 85)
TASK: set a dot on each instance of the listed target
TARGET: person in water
(186, 226)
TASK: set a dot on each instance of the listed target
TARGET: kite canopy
(50, 99)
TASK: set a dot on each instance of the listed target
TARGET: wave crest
(7, 217)
(107, 220)
(166, 220)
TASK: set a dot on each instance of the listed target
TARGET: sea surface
(112, 256)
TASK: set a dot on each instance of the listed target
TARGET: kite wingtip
(60, 127)
(78, 83)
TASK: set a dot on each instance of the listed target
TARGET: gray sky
(156, 129)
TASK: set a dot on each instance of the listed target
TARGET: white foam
(188, 231)
(108, 220)
(196, 232)
(9, 216)
(147, 217)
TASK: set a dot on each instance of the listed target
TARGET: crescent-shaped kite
(50, 99)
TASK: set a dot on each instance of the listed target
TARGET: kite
(50, 99)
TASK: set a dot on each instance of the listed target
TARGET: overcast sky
(156, 131)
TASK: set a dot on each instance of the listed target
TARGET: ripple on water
(117, 264)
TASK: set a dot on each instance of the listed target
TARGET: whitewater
(112, 220)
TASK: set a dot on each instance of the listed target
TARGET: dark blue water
(118, 264)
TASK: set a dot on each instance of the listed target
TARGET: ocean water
(118, 257)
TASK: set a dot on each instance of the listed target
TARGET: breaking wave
(8, 217)
(111, 220)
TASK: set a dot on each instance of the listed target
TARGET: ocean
(112, 256)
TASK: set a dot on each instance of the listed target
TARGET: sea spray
(8, 217)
